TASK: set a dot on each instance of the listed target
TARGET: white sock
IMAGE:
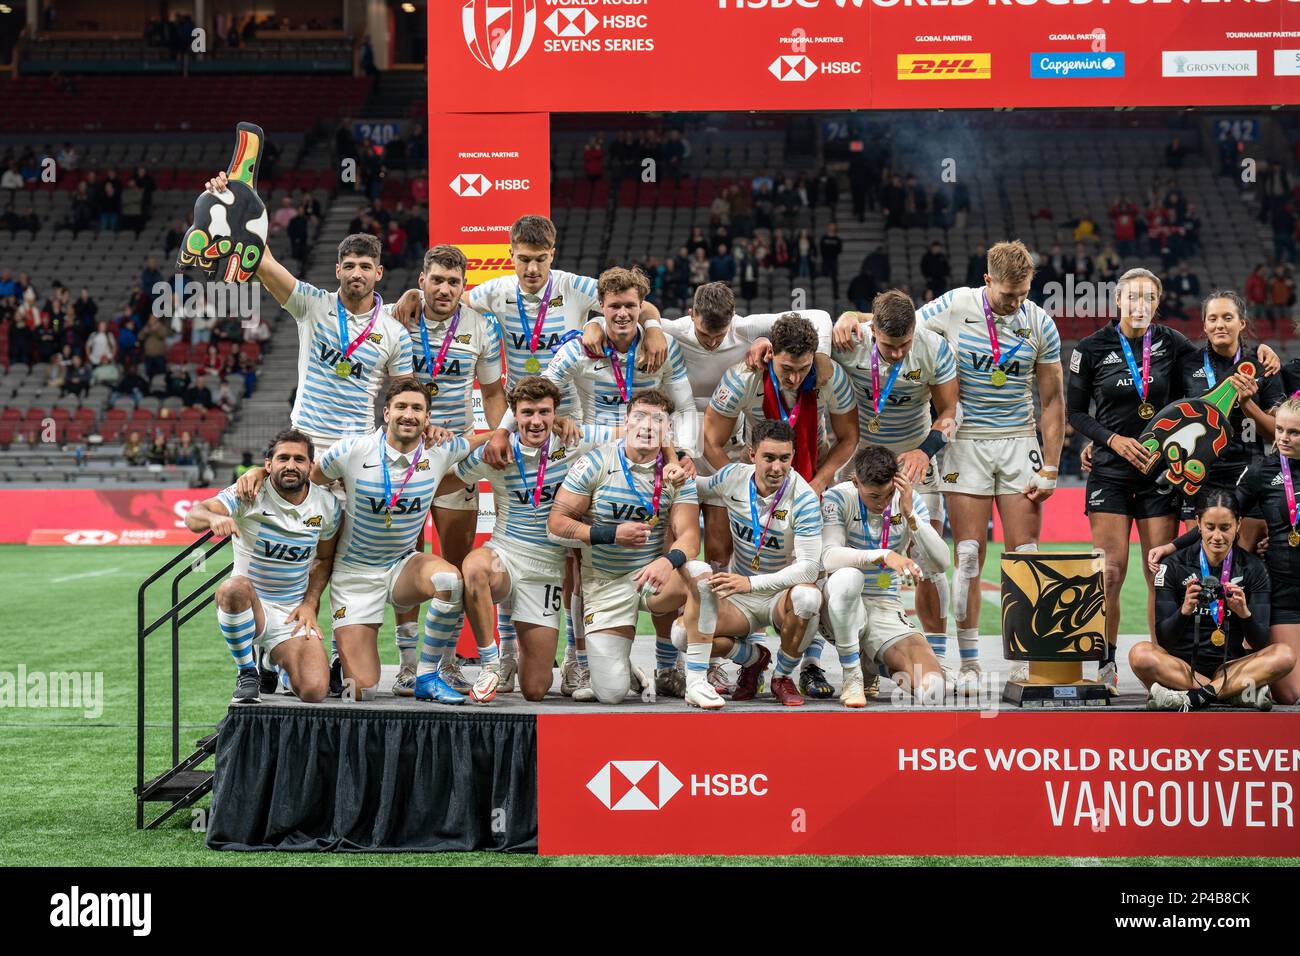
(697, 663)
(968, 644)
(408, 643)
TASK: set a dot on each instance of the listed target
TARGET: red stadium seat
(74, 432)
(11, 415)
(6, 433)
(191, 414)
(85, 415)
(210, 433)
(177, 354)
(35, 415)
(61, 414)
(142, 415)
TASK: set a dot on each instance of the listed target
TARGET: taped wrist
(676, 558)
(933, 443)
(603, 533)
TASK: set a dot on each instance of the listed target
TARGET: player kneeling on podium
(283, 541)
(870, 524)
(1212, 621)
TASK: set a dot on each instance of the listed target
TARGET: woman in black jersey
(1224, 318)
(1120, 376)
(1212, 647)
(1271, 486)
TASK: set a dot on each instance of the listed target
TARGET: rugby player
(898, 370)
(621, 490)
(772, 580)
(1003, 344)
(391, 477)
(785, 389)
(1214, 651)
(520, 561)
(284, 551)
(870, 524)
(452, 346)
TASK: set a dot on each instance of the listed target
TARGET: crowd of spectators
(402, 230)
(99, 203)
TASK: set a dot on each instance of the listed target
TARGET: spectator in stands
(47, 340)
(228, 329)
(249, 373)
(862, 289)
(789, 202)
(245, 464)
(781, 256)
(132, 450)
(720, 210)
(395, 246)
(764, 207)
(675, 279)
(132, 384)
(203, 316)
(8, 287)
(1081, 263)
(675, 150)
(893, 198)
(936, 269)
(1281, 293)
(915, 204)
(77, 379)
(110, 204)
(722, 267)
(101, 345)
(975, 267)
(255, 330)
(29, 313)
(153, 346)
(699, 267)
(740, 211)
(1085, 229)
(225, 397)
(746, 271)
(1170, 303)
(11, 179)
(1108, 265)
(81, 212)
(593, 159)
(133, 207)
(939, 210)
(149, 275)
(824, 190)
(157, 452)
(59, 362)
(1284, 230)
(805, 256)
(1174, 153)
(68, 158)
(107, 373)
(1186, 284)
(1190, 231)
(185, 451)
(211, 364)
(696, 241)
(1256, 288)
(280, 221)
(199, 395)
(829, 247)
(297, 231)
(1124, 215)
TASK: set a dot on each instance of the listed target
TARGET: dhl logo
(969, 66)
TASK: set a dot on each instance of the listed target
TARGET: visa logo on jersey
(1079, 65)
(945, 66)
(277, 551)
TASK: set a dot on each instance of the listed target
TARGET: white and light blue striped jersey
(905, 417)
(329, 407)
(519, 526)
(277, 540)
(705, 367)
(367, 542)
(475, 353)
(797, 519)
(988, 411)
(599, 476)
(741, 392)
(603, 404)
(841, 511)
(573, 299)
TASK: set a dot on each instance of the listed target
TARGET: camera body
(1211, 591)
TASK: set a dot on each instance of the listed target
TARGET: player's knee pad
(1029, 548)
(678, 635)
(967, 567)
(968, 557)
(450, 582)
(609, 663)
(940, 582)
(441, 608)
(410, 629)
(699, 572)
(844, 613)
(806, 601)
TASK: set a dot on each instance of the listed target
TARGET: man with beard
(284, 552)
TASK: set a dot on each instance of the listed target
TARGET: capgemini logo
(499, 32)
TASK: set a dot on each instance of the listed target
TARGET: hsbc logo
(90, 537)
(473, 185)
(649, 785)
(571, 22)
(499, 32)
(792, 68)
(634, 785)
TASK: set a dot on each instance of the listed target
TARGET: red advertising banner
(588, 55)
(952, 783)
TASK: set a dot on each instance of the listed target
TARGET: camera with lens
(1211, 591)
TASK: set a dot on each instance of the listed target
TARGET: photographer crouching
(1212, 612)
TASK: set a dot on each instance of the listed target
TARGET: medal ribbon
(995, 347)
(884, 524)
(347, 348)
(753, 512)
(1290, 488)
(804, 391)
(536, 334)
(390, 498)
(436, 367)
(1218, 610)
(541, 468)
(653, 503)
(623, 379)
(1132, 362)
(878, 398)
(1210, 378)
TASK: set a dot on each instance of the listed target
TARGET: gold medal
(883, 580)
(755, 563)
(998, 378)
(873, 425)
(433, 388)
(652, 520)
(388, 519)
(1217, 637)
(1293, 538)
(343, 369)
(1146, 410)
(531, 365)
